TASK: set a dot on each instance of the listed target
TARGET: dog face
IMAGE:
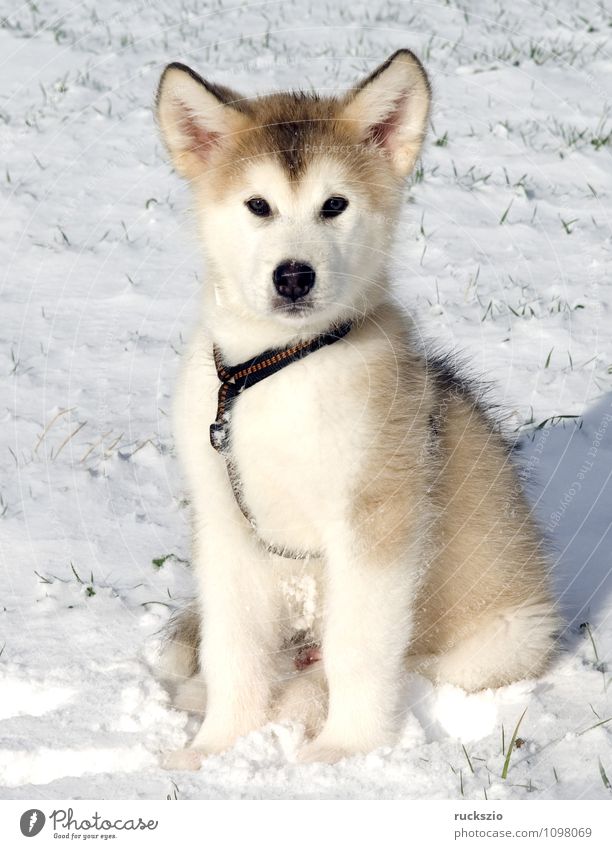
(297, 195)
(296, 249)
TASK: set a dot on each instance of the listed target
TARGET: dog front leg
(367, 628)
(239, 633)
(239, 605)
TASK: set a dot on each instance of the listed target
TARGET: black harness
(234, 380)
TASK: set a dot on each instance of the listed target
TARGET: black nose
(293, 280)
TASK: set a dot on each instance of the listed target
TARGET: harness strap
(235, 379)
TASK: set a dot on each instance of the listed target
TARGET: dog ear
(390, 109)
(194, 116)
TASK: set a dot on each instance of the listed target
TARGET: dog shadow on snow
(567, 468)
(569, 482)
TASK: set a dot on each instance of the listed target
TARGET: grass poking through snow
(504, 774)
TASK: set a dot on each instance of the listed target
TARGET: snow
(504, 254)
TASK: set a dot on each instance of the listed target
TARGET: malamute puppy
(325, 453)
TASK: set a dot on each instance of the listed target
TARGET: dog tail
(180, 653)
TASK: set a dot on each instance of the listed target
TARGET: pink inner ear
(382, 132)
(202, 140)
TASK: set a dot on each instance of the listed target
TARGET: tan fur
(485, 555)
(488, 555)
(398, 466)
(293, 128)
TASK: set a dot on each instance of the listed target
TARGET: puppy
(321, 445)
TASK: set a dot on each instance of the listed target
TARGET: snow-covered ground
(504, 254)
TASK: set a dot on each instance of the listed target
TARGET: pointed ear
(194, 116)
(390, 109)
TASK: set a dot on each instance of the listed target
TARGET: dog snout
(293, 280)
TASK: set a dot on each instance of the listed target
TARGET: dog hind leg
(178, 659)
(303, 698)
(512, 645)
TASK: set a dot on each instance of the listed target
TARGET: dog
(323, 449)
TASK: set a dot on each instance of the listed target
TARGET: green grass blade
(604, 777)
(511, 746)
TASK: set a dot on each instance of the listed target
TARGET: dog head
(297, 194)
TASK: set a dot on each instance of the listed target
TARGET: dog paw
(321, 751)
(184, 759)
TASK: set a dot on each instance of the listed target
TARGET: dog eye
(333, 206)
(259, 206)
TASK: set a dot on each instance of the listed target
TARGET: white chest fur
(293, 441)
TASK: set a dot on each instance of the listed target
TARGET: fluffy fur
(365, 452)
